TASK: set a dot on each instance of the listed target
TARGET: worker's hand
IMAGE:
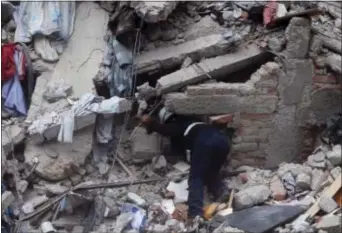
(146, 120)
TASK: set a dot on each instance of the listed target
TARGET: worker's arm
(166, 130)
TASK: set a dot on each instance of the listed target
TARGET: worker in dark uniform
(208, 147)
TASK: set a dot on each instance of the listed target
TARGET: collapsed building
(270, 87)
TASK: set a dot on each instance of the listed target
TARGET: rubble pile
(74, 159)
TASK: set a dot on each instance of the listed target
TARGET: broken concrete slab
(144, 146)
(85, 48)
(57, 161)
(298, 38)
(215, 67)
(173, 56)
(219, 104)
(11, 136)
(154, 12)
(303, 181)
(53, 131)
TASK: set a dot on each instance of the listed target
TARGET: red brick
(221, 119)
(324, 79)
(277, 188)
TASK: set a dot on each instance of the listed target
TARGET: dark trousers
(208, 154)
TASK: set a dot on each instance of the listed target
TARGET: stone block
(173, 56)
(215, 67)
(219, 104)
(318, 178)
(277, 189)
(303, 181)
(298, 36)
(144, 146)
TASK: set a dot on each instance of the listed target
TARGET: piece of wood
(329, 192)
(228, 210)
(285, 19)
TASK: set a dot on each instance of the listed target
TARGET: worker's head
(164, 115)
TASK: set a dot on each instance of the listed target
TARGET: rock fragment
(154, 12)
(251, 196)
(318, 177)
(334, 62)
(303, 181)
(335, 155)
(327, 204)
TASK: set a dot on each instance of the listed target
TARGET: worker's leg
(199, 166)
(217, 160)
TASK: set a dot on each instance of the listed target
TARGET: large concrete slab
(173, 56)
(215, 67)
(80, 60)
(219, 104)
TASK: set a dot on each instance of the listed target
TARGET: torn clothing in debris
(47, 18)
(120, 79)
(12, 92)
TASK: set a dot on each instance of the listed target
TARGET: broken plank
(285, 19)
(329, 192)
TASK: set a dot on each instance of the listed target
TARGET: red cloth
(270, 11)
(8, 67)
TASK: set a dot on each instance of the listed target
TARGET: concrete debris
(11, 136)
(303, 181)
(180, 191)
(335, 172)
(334, 62)
(146, 92)
(182, 166)
(277, 189)
(318, 177)
(136, 199)
(327, 204)
(215, 67)
(329, 223)
(159, 162)
(173, 56)
(251, 196)
(335, 155)
(144, 147)
(154, 12)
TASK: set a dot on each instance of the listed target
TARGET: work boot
(222, 195)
